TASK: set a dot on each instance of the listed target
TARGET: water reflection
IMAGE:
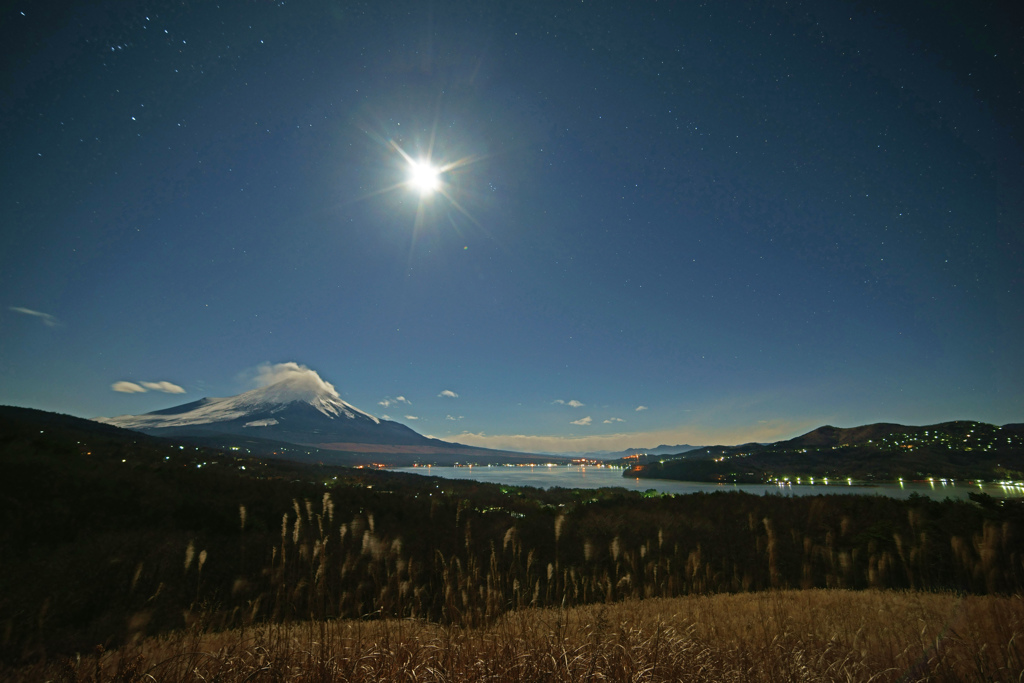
(582, 477)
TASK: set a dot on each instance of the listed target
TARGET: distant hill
(26, 419)
(875, 452)
(663, 449)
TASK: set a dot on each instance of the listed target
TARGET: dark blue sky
(704, 223)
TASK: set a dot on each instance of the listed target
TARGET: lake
(578, 477)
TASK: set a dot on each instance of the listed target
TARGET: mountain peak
(282, 386)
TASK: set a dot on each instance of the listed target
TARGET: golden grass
(813, 635)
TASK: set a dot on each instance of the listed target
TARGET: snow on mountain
(287, 387)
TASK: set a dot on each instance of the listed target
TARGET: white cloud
(143, 387)
(299, 377)
(392, 401)
(411, 417)
(559, 401)
(575, 404)
(639, 408)
(128, 388)
(610, 420)
(448, 393)
(166, 387)
(385, 417)
(449, 417)
(582, 421)
(45, 318)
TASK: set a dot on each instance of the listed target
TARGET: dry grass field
(811, 635)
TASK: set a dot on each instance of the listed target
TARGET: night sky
(659, 222)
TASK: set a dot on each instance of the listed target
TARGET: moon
(427, 178)
(424, 177)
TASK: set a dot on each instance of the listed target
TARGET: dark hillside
(108, 536)
(878, 452)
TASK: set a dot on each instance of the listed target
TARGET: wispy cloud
(44, 318)
(448, 393)
(411, 417)
(573, 403)
(582, 421)
(639, 408)
(610, 420)
(451, 417)
(143, 387)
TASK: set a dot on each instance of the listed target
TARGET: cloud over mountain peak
(293, 382)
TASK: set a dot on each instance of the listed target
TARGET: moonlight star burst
(424, 177)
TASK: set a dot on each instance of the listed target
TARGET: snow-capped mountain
(297, 406)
